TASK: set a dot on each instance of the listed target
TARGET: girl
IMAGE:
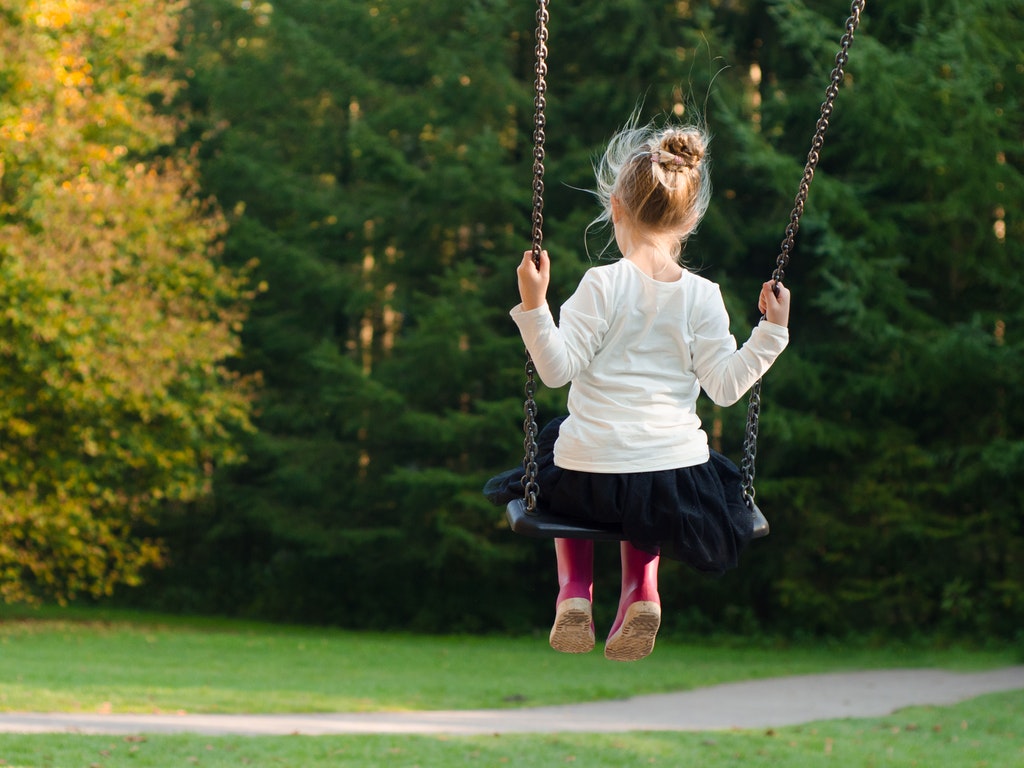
(637, 341)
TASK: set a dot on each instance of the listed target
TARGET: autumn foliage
(116, 317)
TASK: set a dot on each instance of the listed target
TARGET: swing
(522, 514)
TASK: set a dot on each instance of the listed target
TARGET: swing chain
(782, 261)
(530, 486)
(827, 107)
(539, 124)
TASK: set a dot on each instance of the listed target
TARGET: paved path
(759, 704)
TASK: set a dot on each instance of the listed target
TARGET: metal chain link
(754, 405)
(530, 486)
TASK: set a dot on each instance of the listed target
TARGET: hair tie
(673, 163)
(660, 156)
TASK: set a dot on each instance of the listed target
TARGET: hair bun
(680, 149)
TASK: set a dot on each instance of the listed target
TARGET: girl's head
(659, 180)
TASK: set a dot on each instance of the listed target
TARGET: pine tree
(377, 161)
(892, 452)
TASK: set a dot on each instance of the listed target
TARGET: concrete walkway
(749, 705)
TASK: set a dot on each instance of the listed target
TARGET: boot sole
(634, 640)
(573, 630)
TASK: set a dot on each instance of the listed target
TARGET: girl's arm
(561, 351)
(725, 372)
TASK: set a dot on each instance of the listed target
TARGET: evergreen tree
(370, 157)
(377, 161)
(892, 450)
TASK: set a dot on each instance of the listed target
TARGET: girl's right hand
(534, 280)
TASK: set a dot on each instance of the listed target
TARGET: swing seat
(543, 526)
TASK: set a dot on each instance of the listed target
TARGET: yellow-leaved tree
(116, 315)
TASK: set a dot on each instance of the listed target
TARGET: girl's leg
(639, 615)
(573, 630)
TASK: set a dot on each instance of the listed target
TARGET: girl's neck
(655, 262)
(653, 255)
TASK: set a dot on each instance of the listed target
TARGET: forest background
(256, 260)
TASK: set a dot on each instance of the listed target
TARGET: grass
(89, 661)
(981, 733)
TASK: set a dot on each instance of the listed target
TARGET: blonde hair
(660, 177)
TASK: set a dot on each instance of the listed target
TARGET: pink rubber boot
(573, 630)
(639, 616)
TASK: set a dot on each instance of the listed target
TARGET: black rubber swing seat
(544, 526)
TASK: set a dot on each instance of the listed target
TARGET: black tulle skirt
(693, 514)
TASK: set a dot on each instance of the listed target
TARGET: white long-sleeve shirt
(637, 352)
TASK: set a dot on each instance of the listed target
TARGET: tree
(347, 167)
(386, 198)
(377, 161)
(115, 317)
(893, 450)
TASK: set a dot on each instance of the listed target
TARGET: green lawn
(87, 661)
(82, 660)
(982, 733)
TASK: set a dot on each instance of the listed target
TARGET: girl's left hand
(774, 307)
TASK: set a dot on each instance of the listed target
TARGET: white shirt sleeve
(560, 352)
(724, 372)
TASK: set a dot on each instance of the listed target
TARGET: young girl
(637, 341)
